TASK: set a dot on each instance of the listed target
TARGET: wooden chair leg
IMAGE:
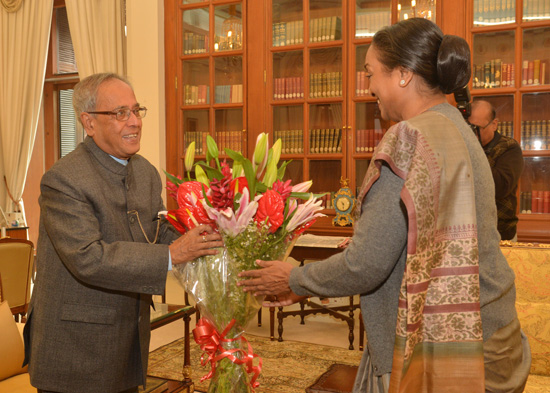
(260, 317)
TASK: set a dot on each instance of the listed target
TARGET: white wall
(145, 21)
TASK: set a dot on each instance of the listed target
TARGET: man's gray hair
(85, 91)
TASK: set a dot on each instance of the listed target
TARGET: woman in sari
(437, 295)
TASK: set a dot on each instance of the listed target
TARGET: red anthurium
(270, 210)
(192, 216)
(171, 217)
(242, 184)
(186, 189)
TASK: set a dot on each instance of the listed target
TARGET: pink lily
(230, 222)
(304, 213)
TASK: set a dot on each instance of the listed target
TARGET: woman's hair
(85, 91)
(417, 44)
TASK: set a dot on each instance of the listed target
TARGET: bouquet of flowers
(258, 215)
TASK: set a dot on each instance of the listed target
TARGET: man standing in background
(506, 162)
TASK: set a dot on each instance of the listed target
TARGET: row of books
(535, 134)
(292, 141)
(506, 128)
(325, 84)
(228, 94)
(536, 9)
(494, 11)
(196, 95)
(325, 141)
(289, 88)
(224, 139)
(367, 23)
(534, 201)
(361, 84)
(288, 33)
(328, 28)
(367, 140)
(194, 43)
(493, 74)
(533, 72)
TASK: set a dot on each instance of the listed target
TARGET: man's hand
(198, 242)
(271, 280)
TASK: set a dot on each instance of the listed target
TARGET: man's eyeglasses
(123, 114)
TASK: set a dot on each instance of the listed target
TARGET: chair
(16, 267)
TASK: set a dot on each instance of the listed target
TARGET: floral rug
(288, 366)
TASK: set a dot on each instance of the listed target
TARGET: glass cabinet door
(229, 28)
(288, 79)
(288, 126)
(196, 82)
(229, 130)
(416, 9)
(535, 186)
(535, 68)
(504, 108)
(491, 12)
(325, 73)
(195, 29)
(535, 10)
(371, 16)
(287, 22)
(493, 60)
(325, 20)
(535, 121)
(195, 128)
(210, 77)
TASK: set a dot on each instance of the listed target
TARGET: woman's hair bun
(453, 64)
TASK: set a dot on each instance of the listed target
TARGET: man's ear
(88, 122)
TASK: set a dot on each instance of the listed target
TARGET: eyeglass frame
(126, 110)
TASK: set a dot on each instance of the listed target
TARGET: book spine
(530, 72)
(524, 72)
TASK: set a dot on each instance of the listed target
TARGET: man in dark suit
(506, 162)
(102, 251)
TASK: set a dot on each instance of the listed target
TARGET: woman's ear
(405, 76)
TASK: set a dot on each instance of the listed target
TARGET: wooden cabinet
(206, 69)
(299, 64)
(510, 43)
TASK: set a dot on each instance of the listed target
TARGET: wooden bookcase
(300, 64)
(508, 39)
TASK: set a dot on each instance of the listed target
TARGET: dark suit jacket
(88, 327)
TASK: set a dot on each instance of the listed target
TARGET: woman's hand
(198, 242)
(284, 299)
(271, 280)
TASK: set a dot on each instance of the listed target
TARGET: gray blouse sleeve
(380, 235)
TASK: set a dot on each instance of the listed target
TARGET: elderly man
(506, 162)
(103, 251)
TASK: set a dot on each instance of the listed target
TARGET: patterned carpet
(288, 366)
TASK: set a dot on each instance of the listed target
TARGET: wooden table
(301, 253)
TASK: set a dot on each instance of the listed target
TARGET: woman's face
(384, 86)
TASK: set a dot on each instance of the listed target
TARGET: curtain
(97, 32)
(24, 38)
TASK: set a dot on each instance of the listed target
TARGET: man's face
(120, 139)
(481, 117)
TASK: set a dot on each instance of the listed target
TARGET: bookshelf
(206, 68)
(294, 69)
(510, 43)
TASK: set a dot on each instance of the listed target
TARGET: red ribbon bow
(210, 340)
